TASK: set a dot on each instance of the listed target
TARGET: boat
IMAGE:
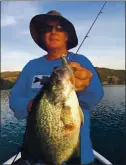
(98, 158)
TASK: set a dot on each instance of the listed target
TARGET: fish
(53, 125)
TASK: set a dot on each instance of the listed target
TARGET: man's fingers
(79, 89)
(79, 71)
(81, 83)
(82, 74)
(30, 105)
(75, 65)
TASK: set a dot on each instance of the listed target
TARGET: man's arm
(18, 100)
(93, 93)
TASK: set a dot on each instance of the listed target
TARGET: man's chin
(54, 46)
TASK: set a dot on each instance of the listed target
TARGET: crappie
(53, 125)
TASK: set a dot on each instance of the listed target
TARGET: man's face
(54, 35)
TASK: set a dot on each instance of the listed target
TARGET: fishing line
(100, 12)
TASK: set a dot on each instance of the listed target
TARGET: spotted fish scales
(53, 126)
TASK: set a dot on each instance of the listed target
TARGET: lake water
(107, 127)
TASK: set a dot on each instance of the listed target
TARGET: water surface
(107, 126)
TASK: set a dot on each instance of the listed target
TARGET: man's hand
(30, 105)
(82, 76)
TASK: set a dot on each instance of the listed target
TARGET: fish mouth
(59, 73)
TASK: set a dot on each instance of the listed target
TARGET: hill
(111, 76)
(8, 79)
(107, 76)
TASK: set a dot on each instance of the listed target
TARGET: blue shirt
(26, 88)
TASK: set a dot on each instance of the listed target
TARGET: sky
(105, 46)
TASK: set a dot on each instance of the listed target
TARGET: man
(56, 35)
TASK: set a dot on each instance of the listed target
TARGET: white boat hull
(99, 157)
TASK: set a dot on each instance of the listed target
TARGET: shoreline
(114, 85)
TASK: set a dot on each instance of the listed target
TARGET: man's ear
(66, 37)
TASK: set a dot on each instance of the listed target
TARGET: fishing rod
(100, 12)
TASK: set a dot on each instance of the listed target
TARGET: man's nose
(53, 30)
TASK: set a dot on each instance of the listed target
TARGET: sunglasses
(49, 28)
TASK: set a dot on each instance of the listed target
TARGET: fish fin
(81, 115)
(67, 120)
(77, 150)
(69, 128)
(66, 115)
